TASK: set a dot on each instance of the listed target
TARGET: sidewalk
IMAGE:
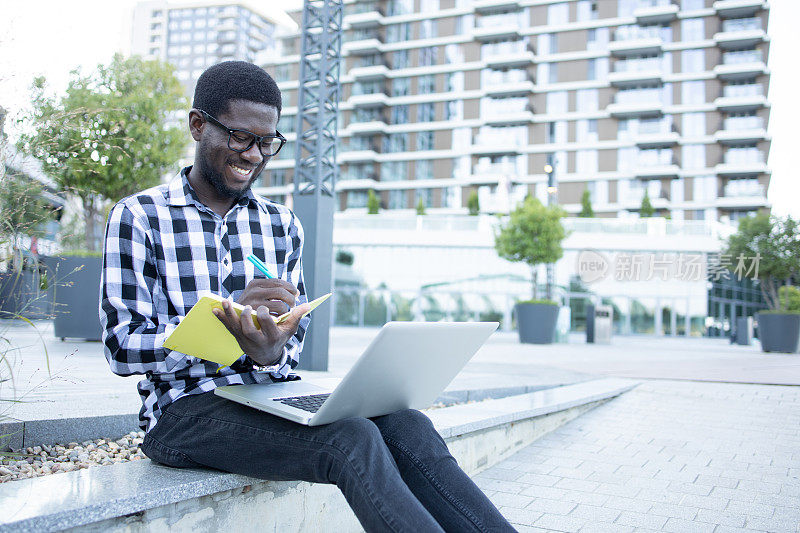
(667, 456)
(709, 442)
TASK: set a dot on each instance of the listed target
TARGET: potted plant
(773, 245)
(106, 138)
(533, 235)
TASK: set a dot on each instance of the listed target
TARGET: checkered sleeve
(294, 274)
(133, 334)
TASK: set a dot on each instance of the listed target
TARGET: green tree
(108, 135)
(586, 205)
(532, 235)
(373, 203)
(24, 214)
(420, 206)
(646, 210)
(775, 241)
(473, 205)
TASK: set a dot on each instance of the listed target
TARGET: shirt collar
(181, 193)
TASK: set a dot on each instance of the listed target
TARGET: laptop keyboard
(310, 403)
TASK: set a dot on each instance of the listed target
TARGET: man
(168, 243)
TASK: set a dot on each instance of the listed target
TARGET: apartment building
(441, 98)
(195, 35)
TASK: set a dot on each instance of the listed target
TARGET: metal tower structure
(315, 169)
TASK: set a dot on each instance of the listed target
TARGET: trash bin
(744, 330)
(599, 322)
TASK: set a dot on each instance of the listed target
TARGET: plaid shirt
(163, 250)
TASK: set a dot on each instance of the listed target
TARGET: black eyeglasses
(242, 140)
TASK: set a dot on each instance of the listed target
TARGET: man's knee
(408, 425)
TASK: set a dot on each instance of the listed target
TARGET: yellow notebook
(201, 334)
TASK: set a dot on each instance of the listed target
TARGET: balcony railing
(735, 91)
(742, 123)
(744, 157)
(641, 96)
(742, 56)
(639, 65)
(362, 6)
(635, 33)
(740, 188)
(753, 23)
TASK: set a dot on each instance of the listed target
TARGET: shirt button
(225, 261)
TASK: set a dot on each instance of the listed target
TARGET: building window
(278, 177)
(558, 13)
(454, 110)
(692, 30)
(424, 169)
(586, 130)
(394, 171)
(396, 33)
(557, 102)
(694, 156)
(427, 56)
(425, 112)
(552, 75)
(427, 29)
(426, 195)
(425, 140)
(591, 69)
(587, 100)
(396, 142)
(693, 61)
(397, 199)
(400, 59)
(356, 199)
(426, 84)
(400, 87)
(693, 92)
(694, 124)
(400, 114)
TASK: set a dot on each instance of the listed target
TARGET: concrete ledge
(144, 496)
(16, 434)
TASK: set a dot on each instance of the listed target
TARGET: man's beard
(217, 180)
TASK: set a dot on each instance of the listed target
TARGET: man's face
(232, 173)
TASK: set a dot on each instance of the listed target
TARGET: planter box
(536, 323)
(77, 296)
(779, 332)
(21, 295)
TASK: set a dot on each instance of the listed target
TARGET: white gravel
(44, 460)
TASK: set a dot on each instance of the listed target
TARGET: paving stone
(560, 523)
(545, 505)
(751, 509)
(500, 473)
(630, 518)
(520, 516)
(673, 511)
(506, 499)
(543, 480)
(595, 514)
(725, 518)
(601, 527)
(772, 524)
(678, 525)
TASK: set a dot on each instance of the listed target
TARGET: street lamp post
(552, 199)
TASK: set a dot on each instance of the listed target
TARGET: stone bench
(144, 496)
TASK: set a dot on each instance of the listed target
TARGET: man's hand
(265, 345)
(276, 295)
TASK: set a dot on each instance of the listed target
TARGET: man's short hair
(234, 80)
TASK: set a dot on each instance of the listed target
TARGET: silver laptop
(407, 365)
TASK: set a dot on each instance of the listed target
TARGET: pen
(260, 265)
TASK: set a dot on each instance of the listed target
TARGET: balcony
(495, 32)
(504, 117)
(632, 196)
(629, 77)
(739, 8)
(663, 136)
(483, 7)
(656, 12)
(649, 170)
(494, 144)
(372, 72)
(522, 58)
(737, 134)
(357, 156)
(735, 165)
(363, 16)
(732, 104)
(368, 100)
(743, 193)
(635, 46)
(742, 64)
(364, 45)
(635, 109)
(740, 33)
(367, 128)
(511, 88)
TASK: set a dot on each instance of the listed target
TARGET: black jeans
(395, 471)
